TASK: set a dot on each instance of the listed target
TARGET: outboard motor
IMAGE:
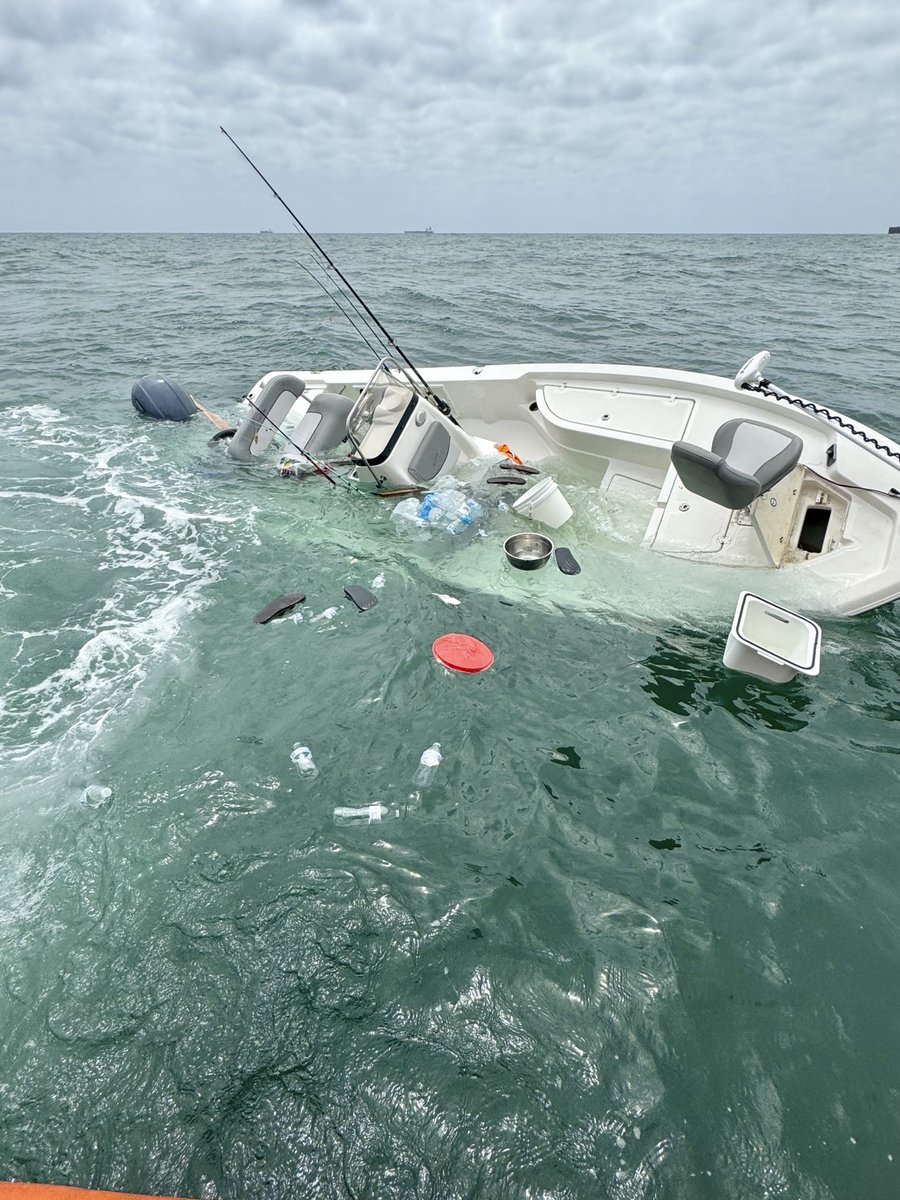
(156, 396)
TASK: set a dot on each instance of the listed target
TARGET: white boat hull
(828, 530)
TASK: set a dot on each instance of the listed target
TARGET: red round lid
(460, 652)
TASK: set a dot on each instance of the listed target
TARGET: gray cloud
(679, 116)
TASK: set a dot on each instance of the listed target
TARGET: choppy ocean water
(641, 935)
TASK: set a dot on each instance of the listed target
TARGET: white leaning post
(770, 641)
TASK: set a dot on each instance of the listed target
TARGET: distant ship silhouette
(427, 229)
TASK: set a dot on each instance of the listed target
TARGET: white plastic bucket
(545, 503)
(771, 642)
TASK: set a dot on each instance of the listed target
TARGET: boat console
(400, 438)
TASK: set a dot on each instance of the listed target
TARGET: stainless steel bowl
(528, 551)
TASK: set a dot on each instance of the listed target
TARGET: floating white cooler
(545, 503)
(770, 641)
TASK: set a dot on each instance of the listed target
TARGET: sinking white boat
(736, 473)
(732, 472)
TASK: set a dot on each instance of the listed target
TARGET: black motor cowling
(156, 396)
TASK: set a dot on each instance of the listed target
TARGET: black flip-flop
(360, 596)
(522, 468)
(566, 561)
(279, 606)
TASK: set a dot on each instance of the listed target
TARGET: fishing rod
(321, 468)
(337, 304)
(369, 326)
(436, 400)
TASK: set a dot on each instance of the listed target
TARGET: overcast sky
(669, 116)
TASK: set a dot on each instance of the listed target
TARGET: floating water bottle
(466, 516)
(428, 765)
(301, 757)
(407, 513)
(367, 815)
(428, 502)
(95, 794)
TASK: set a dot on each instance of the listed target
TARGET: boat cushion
(747, 458)
(324, 424)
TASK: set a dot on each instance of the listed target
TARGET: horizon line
(435, 233)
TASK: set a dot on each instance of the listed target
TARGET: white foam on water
(162, 545)
(78, 700)
(19, 896)
(30, 421)
(47, 497)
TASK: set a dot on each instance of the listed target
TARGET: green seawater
(640, 935)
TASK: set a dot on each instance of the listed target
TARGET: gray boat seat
(324, 424)
(746, 459)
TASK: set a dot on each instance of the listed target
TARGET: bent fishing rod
(392, 343)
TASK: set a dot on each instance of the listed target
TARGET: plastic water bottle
(428, 765)
(367, 815)
(301, 757)
(438, 509)
(406, 513)
(95, 794)
(428, 503)
(466, 516)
